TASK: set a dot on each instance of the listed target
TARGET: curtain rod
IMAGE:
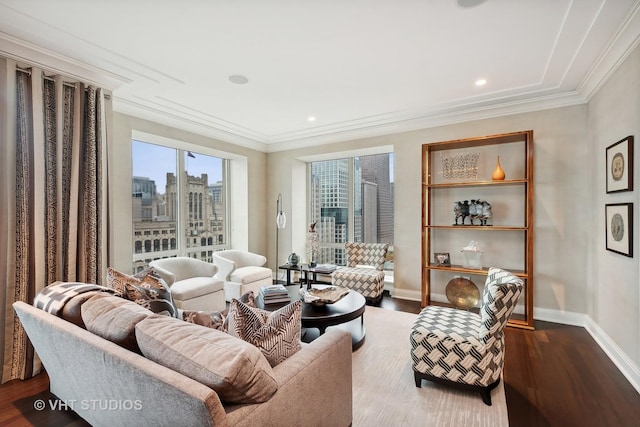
(28, 71)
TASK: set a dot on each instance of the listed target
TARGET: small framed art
(619, 228)
(441, 258)
(620, 166)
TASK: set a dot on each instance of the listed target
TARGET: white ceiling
(361, 67)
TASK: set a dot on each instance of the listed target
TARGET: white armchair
(192, 283)
(242, 272)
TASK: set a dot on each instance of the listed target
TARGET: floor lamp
(281, 221)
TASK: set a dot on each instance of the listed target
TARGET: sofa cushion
(114, 318)
(236, 370)
(146, 288)
(72, 310)
(195, 287)
(276, 334)
(250, 274)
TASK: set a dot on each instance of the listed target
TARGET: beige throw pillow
(236, 370)
(276, 334)
(113, 318)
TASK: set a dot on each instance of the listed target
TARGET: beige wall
(249, 219)
(561, 221)
(613, 294)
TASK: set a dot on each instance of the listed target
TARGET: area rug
(384, 392)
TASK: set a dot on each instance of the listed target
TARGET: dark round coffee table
(346, 314)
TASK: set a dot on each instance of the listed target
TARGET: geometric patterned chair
(364, 271)
(463, 348)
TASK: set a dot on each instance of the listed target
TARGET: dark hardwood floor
(554, 376)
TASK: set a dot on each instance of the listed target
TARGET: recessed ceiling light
(311, 118)
(238, 79)
(481, 82)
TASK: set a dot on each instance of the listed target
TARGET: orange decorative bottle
(498, 173)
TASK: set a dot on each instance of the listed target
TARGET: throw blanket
(53, 298)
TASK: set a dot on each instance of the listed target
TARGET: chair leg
(486, 396)
(485, 392)
(418, 379)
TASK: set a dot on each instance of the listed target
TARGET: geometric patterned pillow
(248, 298)
(276, 334)
(146, 288)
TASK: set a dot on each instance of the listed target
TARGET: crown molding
(357, 129)
(186, 123)
(30, 54)
(625, 41)
(454, 116)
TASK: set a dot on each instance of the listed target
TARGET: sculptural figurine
(457, 212)
(472, 211)
(478, 211)
(486, 212)
(465, 210)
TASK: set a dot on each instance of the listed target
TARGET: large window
(351, 199)
(179, 203)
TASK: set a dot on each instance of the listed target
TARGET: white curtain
(53, 195)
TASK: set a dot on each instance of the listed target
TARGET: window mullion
(351, 194)
(182, 204)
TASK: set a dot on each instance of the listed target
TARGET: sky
(154, 161)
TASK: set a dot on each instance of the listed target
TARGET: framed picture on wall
(620, 166)
(619, 228)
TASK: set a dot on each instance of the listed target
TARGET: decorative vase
(498, 173)
(293, 259)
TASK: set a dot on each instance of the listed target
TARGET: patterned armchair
(463, 348)
(364, 271)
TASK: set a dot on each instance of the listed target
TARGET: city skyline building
(372, 216)
(155, 218)
(376, 169)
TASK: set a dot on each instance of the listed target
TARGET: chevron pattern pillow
(373, 254)
(276, 334)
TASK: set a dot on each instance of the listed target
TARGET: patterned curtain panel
(59, 191)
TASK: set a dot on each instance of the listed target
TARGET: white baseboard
(626, 366)
(560, 316)
(405, 294)
(618, 357)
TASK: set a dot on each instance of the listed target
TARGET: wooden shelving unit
(523, 141)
